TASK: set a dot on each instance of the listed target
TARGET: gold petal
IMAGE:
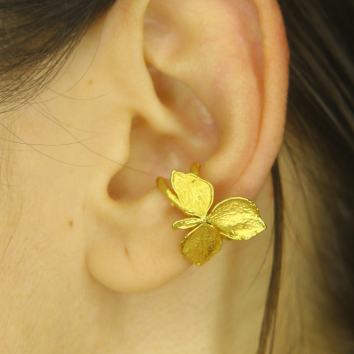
(186, 223)
(237, 219)
(195, 196)
(201, 244)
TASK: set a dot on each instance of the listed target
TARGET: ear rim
(277, 55)
(252, 164)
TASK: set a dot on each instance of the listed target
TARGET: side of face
(153, 86)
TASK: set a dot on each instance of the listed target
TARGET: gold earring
(234, 218)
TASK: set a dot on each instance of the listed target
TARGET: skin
(90, 263)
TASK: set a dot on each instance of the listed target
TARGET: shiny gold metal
(234, 218)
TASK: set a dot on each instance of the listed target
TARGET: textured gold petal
(195, 196)
(201, 244)
(237, 219)
(186, 223)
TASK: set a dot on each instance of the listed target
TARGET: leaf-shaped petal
(201, 244)
(186, 223)
(195, 195)
(237, 219)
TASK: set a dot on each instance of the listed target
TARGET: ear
(195, 80)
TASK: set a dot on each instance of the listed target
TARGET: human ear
(198, 81)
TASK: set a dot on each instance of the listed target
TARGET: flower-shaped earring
(234, 218)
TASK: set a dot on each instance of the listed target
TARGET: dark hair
(37, 36)
(320, 124)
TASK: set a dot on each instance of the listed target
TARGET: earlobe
(207, 59)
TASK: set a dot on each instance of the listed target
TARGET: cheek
(75, 132)
(56, 147)
(42, 241)
(52, 153)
